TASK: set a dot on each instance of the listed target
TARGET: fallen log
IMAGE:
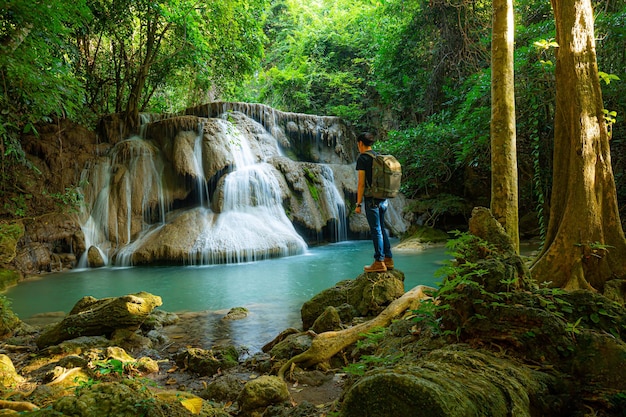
(325, 345)
(93, 317)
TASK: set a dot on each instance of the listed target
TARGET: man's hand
(358, 209)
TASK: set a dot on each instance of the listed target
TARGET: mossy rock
(8, 320)
(224, 388)
(9, 378)
(125, 400)
(449, 382)
(8, 278)
(263, 391)
(208, 362)
(367, 295)
(10, 234)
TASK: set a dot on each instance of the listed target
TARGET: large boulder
(365, 296)
(451, 382)
(261, 392)
(93, 317)
(9, 378)
(50, 243)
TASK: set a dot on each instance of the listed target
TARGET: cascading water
(252, 223)
(110, 226)
(201, 183)
(221, 183)
(334, 204)
(143, 208)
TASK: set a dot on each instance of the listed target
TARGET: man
(375, 209)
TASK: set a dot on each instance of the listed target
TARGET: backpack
(386, 176)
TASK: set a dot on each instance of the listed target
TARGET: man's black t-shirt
(364, 163)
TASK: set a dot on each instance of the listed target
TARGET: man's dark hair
(366, 138)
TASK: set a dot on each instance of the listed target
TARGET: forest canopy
(417, 73)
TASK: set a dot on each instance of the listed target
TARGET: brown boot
(377, 266)
(389, 263)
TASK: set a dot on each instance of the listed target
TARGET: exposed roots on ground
(17, 405)
(325, 345)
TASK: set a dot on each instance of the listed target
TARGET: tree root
(17, 405)
(325, 345)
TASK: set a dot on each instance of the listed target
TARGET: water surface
(272, 290)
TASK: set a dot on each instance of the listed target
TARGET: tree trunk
(585, 243)
(504, 194)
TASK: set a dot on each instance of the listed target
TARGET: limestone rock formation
(181, 192)
(177, 192)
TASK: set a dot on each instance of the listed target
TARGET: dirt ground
(187, 332)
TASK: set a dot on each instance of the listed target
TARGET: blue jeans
(375, 212)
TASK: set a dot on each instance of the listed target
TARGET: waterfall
(252, 224)
(217, 187)
(334, 205)
(201, 183)
(95, 213)
(134, 170)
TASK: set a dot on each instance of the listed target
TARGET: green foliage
(170, 54)
(438, 205)
(8, 319)
(10, 233)
(108, 366)
(71, 201)
(427, 234)
(37, 80)
(461, 300)
(82, 384)
(16, 205)
(8, 277)
(317, 58)
(371, 339)
(428, 154)
(618, 401)
(459, 276)
(310, 181)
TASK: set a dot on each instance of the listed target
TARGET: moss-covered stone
(10, 233)
(367, 295)
(9, 378)
(8, 278)
(262, 392)
(327, 321)
(208, 362)
(454, 381)
(224, 388)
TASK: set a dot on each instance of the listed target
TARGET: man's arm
(360, 190)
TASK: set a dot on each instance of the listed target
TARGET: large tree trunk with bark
(585, 243)
(504, 194)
